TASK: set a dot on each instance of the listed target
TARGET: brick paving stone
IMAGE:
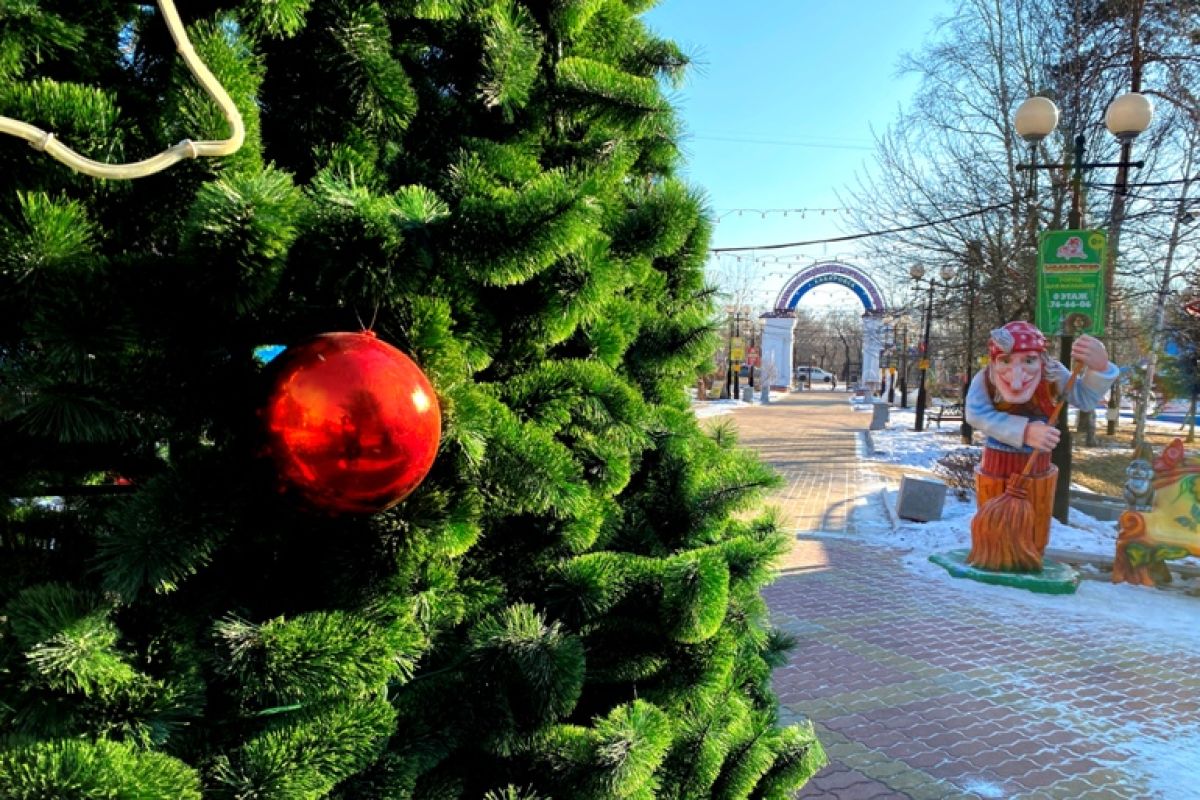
(1071, 787)
(1103, 780)
(918, 692)
(936, 790)
(1024, 748)
(1039, 778)
(953, 769)
(942, 742)
(837, 777)
(865, 759)
(866, 790)
(969, 750)
(927, 758)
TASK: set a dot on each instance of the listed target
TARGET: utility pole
(1126, 117)
(728, 363)
(749, 360)
(974, 260)
(735, 367)
(1060, 456)
(1117, 216)
(919, 423)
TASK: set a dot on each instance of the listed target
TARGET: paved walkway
(918, 690)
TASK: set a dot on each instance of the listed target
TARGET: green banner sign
(1071, 282)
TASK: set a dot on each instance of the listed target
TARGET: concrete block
(879, 415)
(921, 499)
(1098, 506)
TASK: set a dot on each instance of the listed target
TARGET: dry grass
(1102, 469)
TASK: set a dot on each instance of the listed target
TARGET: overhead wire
(1131, 185)
(831, 145)
(868, 234)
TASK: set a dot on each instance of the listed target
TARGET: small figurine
(1139, 485)
(1010, 402)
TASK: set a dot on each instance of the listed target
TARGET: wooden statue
(1010, 402)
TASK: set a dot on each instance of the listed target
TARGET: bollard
(879, 415)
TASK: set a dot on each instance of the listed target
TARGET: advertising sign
(1071, 282)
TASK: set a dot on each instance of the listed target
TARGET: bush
(957, 468)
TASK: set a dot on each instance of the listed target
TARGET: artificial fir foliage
(568, 606)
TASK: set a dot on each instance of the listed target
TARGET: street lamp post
(728, 362)
(1126, 117)
(918, 273)
(974, 260)
(750, 354)
(732, 368)
(737, 366)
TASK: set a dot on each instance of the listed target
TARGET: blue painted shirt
(1006, 431)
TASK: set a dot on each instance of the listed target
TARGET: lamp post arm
(1086, 165)
(1075, 219)
(919, 423)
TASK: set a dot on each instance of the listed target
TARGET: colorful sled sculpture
(1165, 528)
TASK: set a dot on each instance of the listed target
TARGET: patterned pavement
(919, 689)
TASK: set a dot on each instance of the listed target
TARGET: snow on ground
(1169, 612)
(715, 408)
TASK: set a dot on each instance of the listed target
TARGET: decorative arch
(778, 325)
(846, 275)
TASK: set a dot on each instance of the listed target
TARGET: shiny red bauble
(352, 422)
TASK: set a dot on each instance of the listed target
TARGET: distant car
(817, 375)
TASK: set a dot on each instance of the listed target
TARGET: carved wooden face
(1016, 375)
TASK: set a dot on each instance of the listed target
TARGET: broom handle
(1078, 368)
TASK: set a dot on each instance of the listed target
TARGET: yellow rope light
(45, 141)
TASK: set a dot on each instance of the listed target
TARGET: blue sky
(779, 109)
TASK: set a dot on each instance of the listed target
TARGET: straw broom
(1002, 531)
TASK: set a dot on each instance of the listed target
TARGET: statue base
(1055, 578)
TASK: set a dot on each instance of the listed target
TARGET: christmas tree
(567, 606)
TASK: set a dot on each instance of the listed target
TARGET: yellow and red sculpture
(1163, 520)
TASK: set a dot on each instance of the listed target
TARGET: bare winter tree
(1171, 246)
(948, 167)
(948, 171)
(846, 329)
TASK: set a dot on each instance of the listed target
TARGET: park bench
(949, 412)
(1162, 520)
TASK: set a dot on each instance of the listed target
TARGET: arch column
(777, 348)
(874, 336)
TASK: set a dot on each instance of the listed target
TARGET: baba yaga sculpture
(1015, 402)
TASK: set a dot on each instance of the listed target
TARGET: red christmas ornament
(353, 423)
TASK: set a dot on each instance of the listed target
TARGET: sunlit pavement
(917, 694)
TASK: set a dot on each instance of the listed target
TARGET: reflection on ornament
(266, 353)
(353, 423)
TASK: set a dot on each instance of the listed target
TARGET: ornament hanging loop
(47, 143)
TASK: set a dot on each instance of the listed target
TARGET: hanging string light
(802, 212)
(44, 141)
